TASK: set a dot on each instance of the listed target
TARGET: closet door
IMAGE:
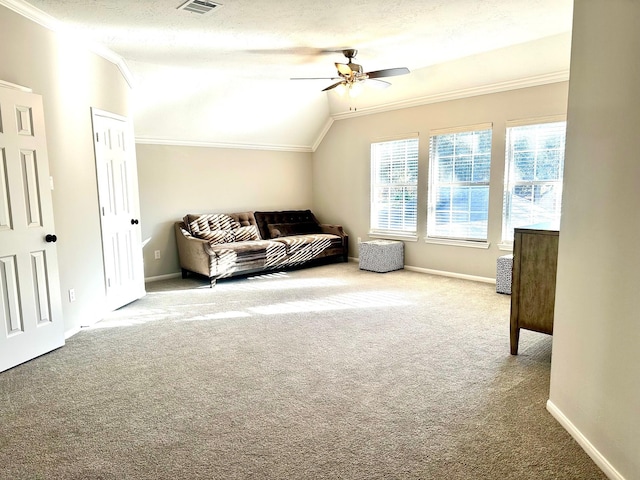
(119, 208)
(30, 304)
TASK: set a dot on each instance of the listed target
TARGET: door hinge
(97, 137)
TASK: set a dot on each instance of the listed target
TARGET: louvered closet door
(30, 309)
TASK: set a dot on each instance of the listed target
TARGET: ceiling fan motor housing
(350, 53)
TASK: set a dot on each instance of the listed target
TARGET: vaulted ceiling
(224, 78)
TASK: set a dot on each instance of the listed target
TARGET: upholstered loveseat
(222, 245)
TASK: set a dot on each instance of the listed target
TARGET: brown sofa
(222, 245)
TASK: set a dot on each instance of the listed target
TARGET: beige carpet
(320, 373)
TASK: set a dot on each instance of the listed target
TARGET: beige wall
(595, 373)
(341, 168)
(177, 180)
(70, 80)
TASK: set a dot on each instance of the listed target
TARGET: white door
(30, 305)
(119, 208)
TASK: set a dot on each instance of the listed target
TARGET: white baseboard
(71, 333)
(586, 445)
(162, 277)
(442, 273)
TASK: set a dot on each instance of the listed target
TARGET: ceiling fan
(351, 75)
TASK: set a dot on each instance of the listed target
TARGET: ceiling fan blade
(306, 51)
(389, 72)
(374, 82)
(330, 87)
(344, 69)
(313, 78)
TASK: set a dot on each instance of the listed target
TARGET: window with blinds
(394, 187)
(459, 170)
(533, 175)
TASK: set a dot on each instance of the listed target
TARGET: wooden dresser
(533, 287)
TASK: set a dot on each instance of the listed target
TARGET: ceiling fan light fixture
(355, 89)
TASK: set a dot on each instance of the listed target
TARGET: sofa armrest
(338, 230)
(194, 253)
(333, 229)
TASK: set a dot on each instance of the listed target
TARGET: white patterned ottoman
(504, 270)
(381, 255)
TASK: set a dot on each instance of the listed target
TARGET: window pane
(535, 162)
(482, 168)
(459, 185)
(394, 186)
(463, 168)
(412, 172)
(463, 143)
(461, 198)
(548, 165)
(479, 198)
(445, 146)
(484, 141)
(524, 165)
(521, 139)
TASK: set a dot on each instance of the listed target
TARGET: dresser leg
(515, 337)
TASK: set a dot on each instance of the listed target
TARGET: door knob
(134, 221)
(50, 238)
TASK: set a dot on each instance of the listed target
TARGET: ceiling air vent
(201, 7)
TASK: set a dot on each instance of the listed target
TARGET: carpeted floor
(321, 373)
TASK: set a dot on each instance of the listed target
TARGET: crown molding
(238, 146)
(533, 81)
(32, 13)
(14, 86)
(116, 59)
(45, 20)
(321, 135)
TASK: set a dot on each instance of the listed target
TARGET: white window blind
(459, 171)
(394, 187)
(533, 176)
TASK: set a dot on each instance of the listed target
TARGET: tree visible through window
(533, 175)
(460, 165)
(394, 187)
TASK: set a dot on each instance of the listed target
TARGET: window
(394, 187)
(533, 175)
(459, 169)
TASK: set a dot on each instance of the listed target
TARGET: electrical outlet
(359, 240)
(72, 295)
(156, 254)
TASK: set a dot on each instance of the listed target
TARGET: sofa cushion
(244, 218)
(263, 219)
(204, 223)
(249, 232)
(216, 237)
(277, 230)
(219, 228)
(249, 254)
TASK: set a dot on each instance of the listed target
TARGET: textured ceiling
(224, 77)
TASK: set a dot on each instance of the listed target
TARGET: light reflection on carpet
(374, 299)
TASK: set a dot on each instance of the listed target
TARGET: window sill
(507, 247)
(457, 243)
(393, 236)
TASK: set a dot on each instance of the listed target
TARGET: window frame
(510, 182)
(375, 230)
(433, 183)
